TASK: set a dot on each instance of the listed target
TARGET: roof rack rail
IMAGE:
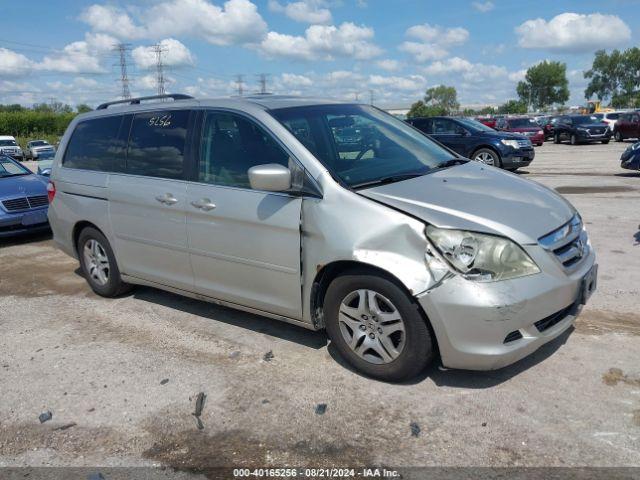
(136, 101)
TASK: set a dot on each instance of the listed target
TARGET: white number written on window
(163, 121)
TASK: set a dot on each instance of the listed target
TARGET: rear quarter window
(157, 144)
(94, 145)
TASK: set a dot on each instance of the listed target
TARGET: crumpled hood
(478, 198)
(22, 186)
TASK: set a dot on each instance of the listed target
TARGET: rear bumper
(12, 224)
(473, 320)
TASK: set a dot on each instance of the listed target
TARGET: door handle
(167, 199)
(204, 204)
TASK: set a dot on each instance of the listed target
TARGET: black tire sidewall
(573, 139)
(419, 345)
(114, 285)
(497, 161)
(556, 138)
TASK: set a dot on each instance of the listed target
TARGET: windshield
(467, 122)
(38, 143)
(9, 168)
(584, 119)
(8, 143)
(522, 123)
(361, 144)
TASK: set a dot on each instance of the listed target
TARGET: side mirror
(46, 172)
(271, 177)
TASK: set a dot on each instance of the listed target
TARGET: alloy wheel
(486, 158)
(372, 326)
(96, 262)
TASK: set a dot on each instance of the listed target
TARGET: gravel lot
(122, 375)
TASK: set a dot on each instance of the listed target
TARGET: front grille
(596, 131)
(25, 203)
(551, 320)
(569, 243)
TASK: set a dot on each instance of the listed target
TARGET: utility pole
(122, 49)
(371, 97)
(263, 83)
(356, 95)
(159, 68)
(240, 84)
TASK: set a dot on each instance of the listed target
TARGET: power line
(239, 83)
(122, 49)
(159, 50)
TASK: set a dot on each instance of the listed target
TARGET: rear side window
(94, 145)
(157, 144)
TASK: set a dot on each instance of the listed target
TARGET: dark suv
(627, 126)
(474, 140)
(581, 129)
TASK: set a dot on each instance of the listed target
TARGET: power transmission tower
(122, 49)
(159, 68)
(371, 97)
(263, 83)
(240, 84)
(356, 96)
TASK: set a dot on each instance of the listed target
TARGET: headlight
(510, 143)
(482, 257)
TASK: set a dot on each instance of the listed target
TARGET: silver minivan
(326, 215)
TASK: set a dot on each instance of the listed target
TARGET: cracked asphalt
(121, 376)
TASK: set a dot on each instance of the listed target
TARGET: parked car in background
(9, 147)
(23, 199)
(580, 129)
(474, 140)
(523, 125)
(437, 255)
(488, 121)
(37, 148)
(627, 126)
(548, 126)
(630, 158)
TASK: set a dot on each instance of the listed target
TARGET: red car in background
(526, 126)
(488, 121)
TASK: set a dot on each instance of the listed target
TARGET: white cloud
(237, 22)
(84, 56)
(450, 65)
(323, 42)
(111, 20)
(174, 54)
(408, 83)
(293, 80)
(13, 63)
(573, 33)
(432, 42)
(388, 64)
(483, 6)
(306, 11)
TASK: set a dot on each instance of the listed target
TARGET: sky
(390, 51)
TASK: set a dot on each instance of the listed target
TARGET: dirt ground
(120, 377)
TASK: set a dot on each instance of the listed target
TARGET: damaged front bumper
(489, 325)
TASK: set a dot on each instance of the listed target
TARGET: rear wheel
(376, 327)
(488, 157)
(99, 265)
(605, 141)
(618, 136)
(556, 138)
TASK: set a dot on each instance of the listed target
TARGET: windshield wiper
(390, 179)
(453, 162)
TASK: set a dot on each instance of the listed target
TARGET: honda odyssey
(325, 215)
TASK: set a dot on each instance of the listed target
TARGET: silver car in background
(37, 149)
(326, 215)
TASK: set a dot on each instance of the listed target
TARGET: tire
(556, 138)
(408, 346)
(604, 142)
(539, 144)
(618, 136)
(573, 139)
(98, 264)
(488, 155)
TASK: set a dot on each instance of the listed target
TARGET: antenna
(122, 49)
(240, 84)
(159, 50)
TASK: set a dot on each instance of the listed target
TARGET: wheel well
(330, 272)
(77, 229)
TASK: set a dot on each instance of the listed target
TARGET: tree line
(49, 119)
(613, 77)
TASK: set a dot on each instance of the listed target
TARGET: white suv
(9, 146)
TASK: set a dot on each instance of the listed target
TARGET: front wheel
(618, 137)
(99, 265)
(573, 140)
(376, 327)
(487, 156)
(604, 142)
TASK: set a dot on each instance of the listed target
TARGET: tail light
(51, 191)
